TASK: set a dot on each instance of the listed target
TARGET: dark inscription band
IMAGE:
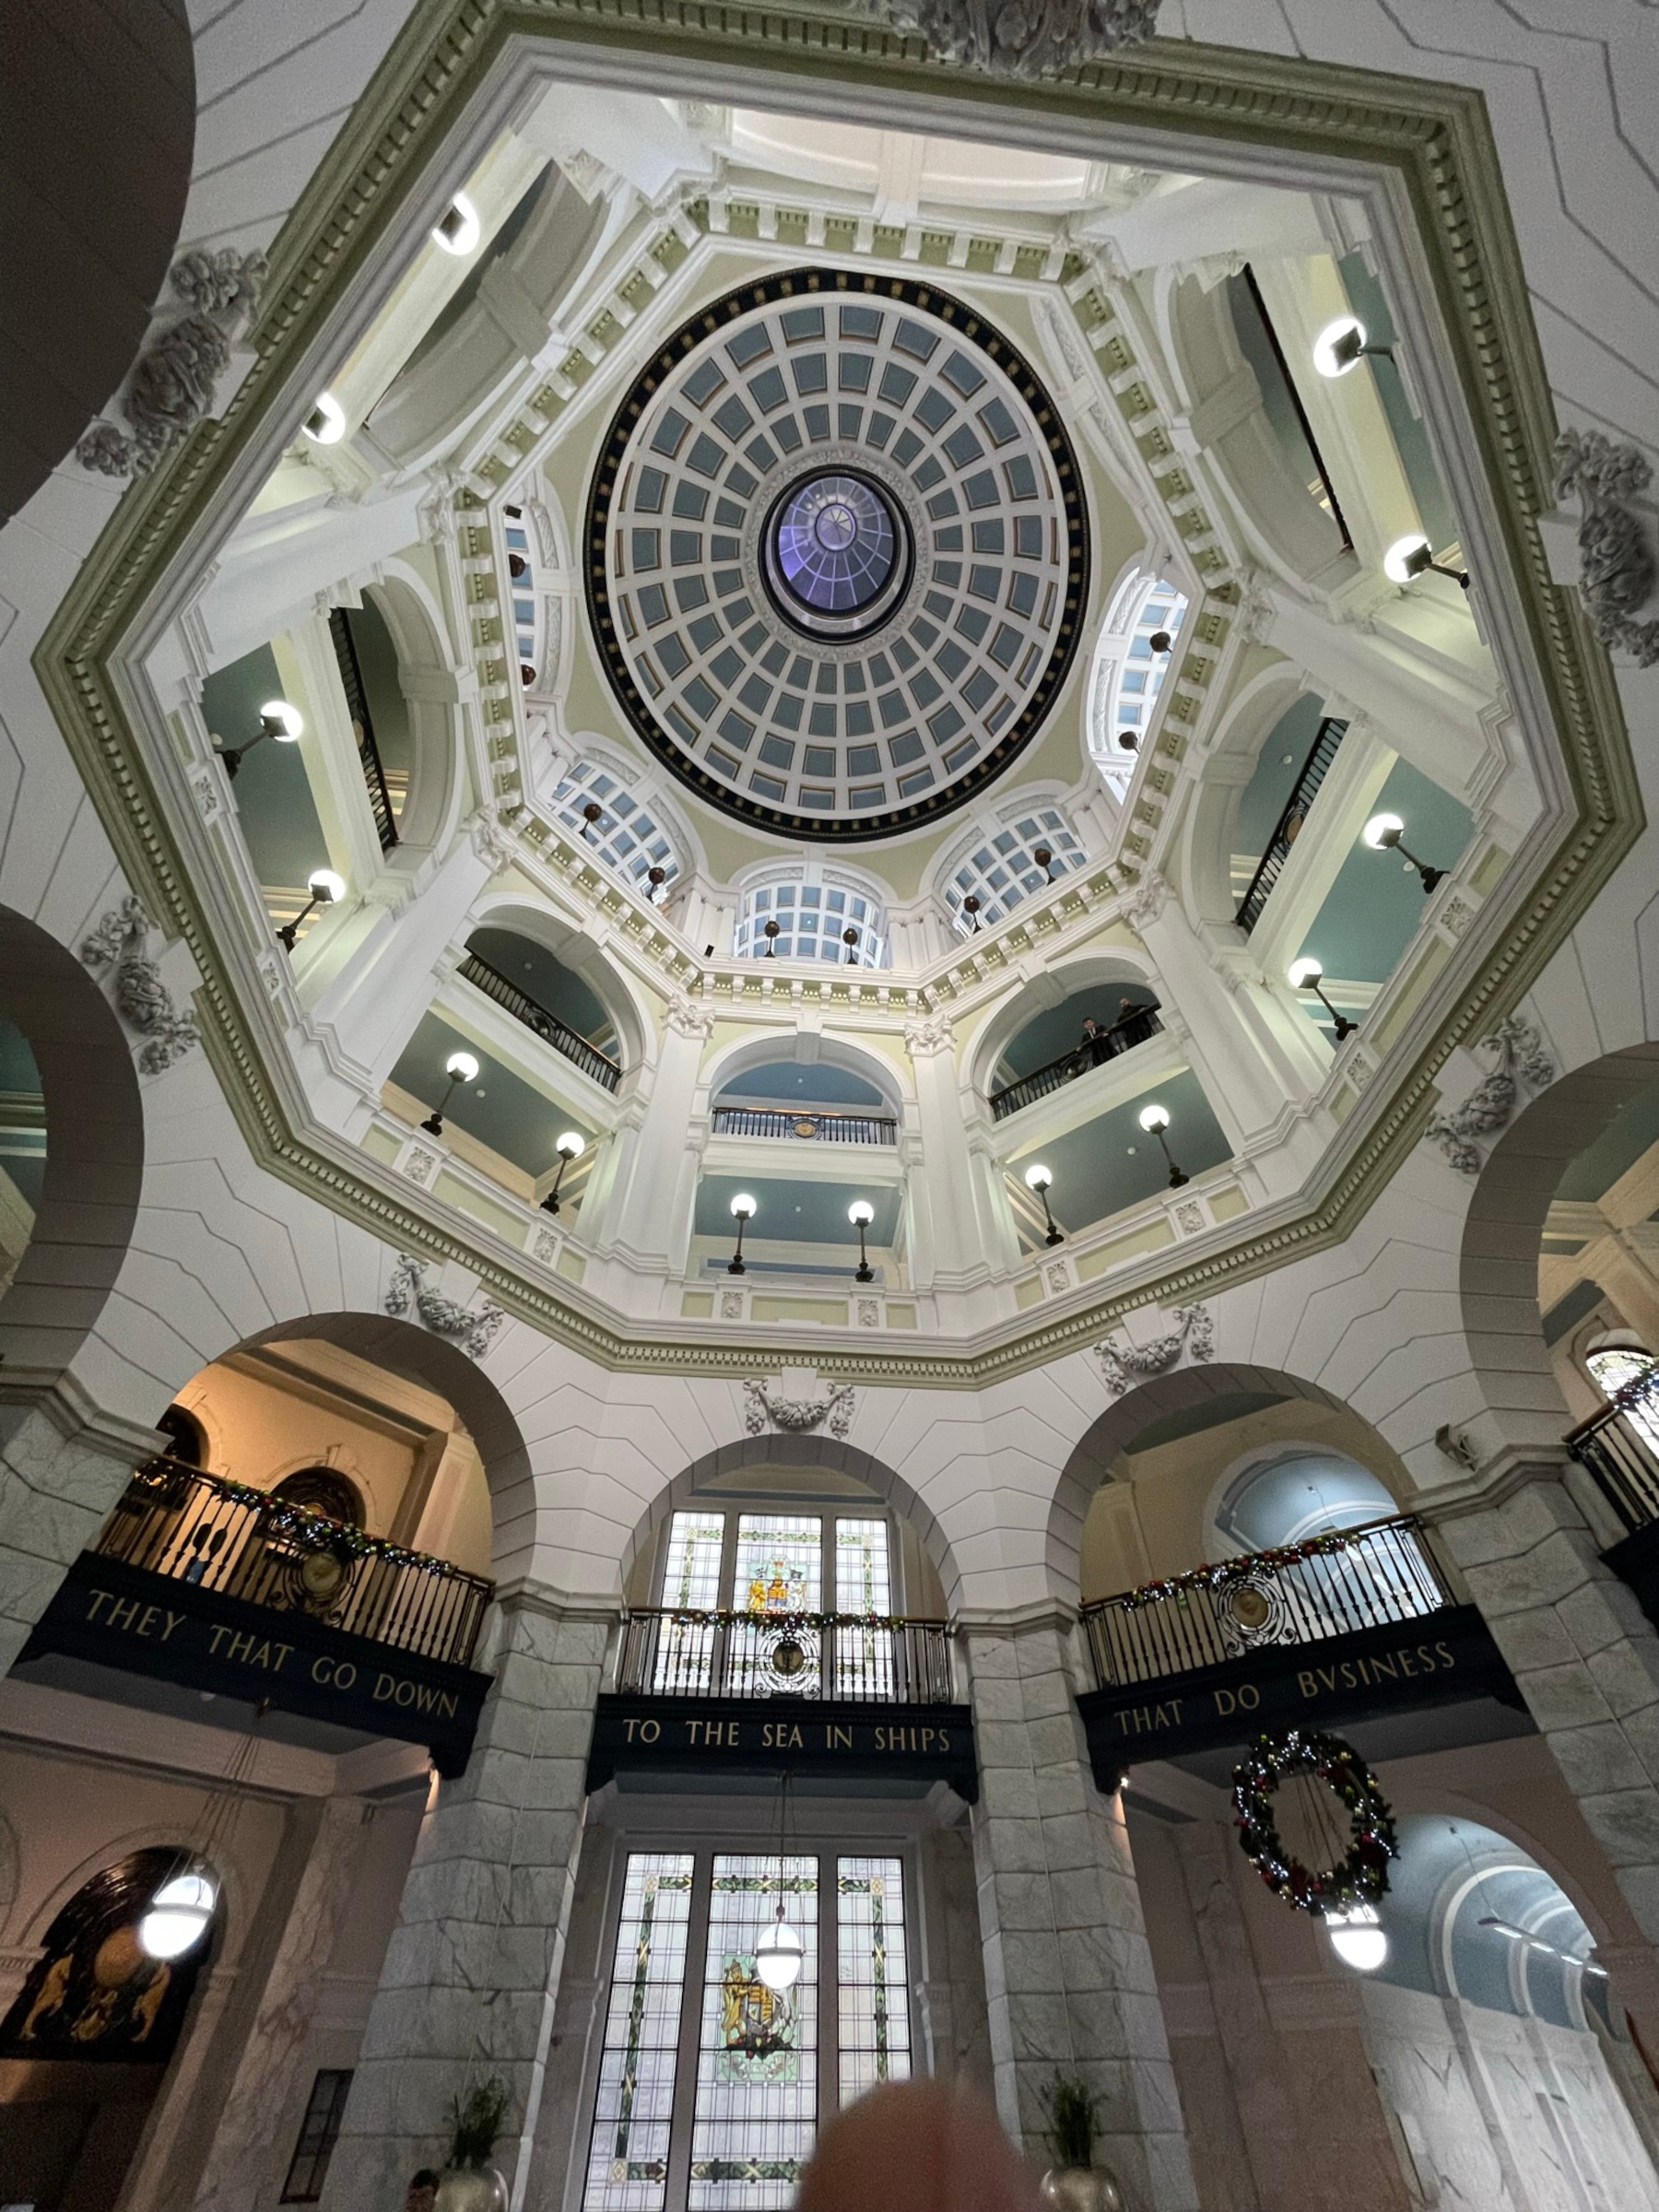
(706, 1736)
(1354, 1677)
(121, 1617)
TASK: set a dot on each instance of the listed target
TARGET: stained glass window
(691, 1580)
(627, 2158)
(1615, 1369)
(873, 1975)
(780, 1563)
(863, 1657)
(757, 2063)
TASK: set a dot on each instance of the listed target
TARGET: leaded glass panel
(863, 1657)
(872, 1974)
(757, 2063)
(633, 2113)
(691, 1582)
(779, 1573)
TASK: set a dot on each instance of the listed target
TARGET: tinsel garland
(1224, 1571)
(296, 1520)
(1360, 1877)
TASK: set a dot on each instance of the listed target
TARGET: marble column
(1068, 1971)
(473, 1969)
(279, 1994)
(60, 1475)
(1581, 1650)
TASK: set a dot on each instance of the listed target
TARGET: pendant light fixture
(1358, 1938)
(780, 1954)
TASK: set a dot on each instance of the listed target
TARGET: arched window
(626, 833)
(187, 1439)
(1000, 868)
(813, 908)
(326, 1491)
(1128, 671)
(1299, 1491)
(526, 604)
(1619, 1363)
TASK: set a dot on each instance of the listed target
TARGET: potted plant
(1075, 2184)
(469, 2182)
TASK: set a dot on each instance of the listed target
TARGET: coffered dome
(837, 553)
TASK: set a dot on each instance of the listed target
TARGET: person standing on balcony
(1096, 1045)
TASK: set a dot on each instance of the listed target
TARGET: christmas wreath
(1360, 1876)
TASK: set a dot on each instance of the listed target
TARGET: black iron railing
(1322, 488)
(1314, 770)
(199, 1528)
(1619, 1446)
(1362, 1578)
(1122, 1037)
(548, 1027)
(867, 1659)
(363, 723)
(806, 1123)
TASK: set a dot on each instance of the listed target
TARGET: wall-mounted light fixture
(591, 813)
(656, 878)
(325, 887)
(1412, 556)
(850, 939)
(276, 719)
(743, 1210)
(326, 425)
(1128, 741)
(1386, 833)
(459, 1067)
(1343, 345)
(1155, 1120)
(458, 228)
(1043, 856)
(861, 1213)
(569, 1146)
(970, 907)
(1305, 975)
(1040, 1179)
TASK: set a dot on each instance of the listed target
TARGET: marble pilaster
(473, 1969)
(1068, 1971)
(59, 1479)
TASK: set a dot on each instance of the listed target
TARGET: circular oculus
(837, 554)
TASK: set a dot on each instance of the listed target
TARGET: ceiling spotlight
(178, 1916)
(743, 1210)
(326, 425)
(1040, 1179)
(1357, 1937)
(278, 719)
(326, 888)
(1409, 557)
(569, 1146)
(459, 1067)
(1155, 1120)
(1384, 833)
(1305, 975)
(458, 228)
(1342, 345)
(861, 1213)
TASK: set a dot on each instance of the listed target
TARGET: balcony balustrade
(1348, 1626)
(1286, 829)
(363, 723)
(806, 1125)
(220, 1537)
(1619, 1449)
(548, 1027)
(1122, 1037)
(846, 1657)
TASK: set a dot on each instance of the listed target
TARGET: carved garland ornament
(1029, 37)
(142, 999)
(761, 1405)
(1521, 1059)
(171, 388)
(1126, 1365)
(473, 1332)
(1616, 566)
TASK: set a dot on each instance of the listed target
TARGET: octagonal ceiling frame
(1420, 154)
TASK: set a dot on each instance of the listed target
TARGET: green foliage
(1074, 2117)
(476, 2119)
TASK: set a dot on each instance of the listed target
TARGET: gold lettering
(837, 1738)
(649, 1731)
(123, 1611)
(629, 1728)
(1445, 1654)
(1347, 1675)
(944, 1739)
(1385, 1667)
(794, 1736)
(1407, 1665)
(282, 1652)
(344, 1675)
(1225, 1703)
(100, 1597)
(446, 1701)
(174, 1619)
(148, 1620)
(1309, 1687)
(1328, 1675)
(1250, 1697)
(321, 1669)
(213, 1645)
(383, 1687)
(240, 1645)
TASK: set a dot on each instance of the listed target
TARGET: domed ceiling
(837, 553)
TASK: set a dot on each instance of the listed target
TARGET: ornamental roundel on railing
(837, 553)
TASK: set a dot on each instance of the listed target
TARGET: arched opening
(325, 1492)
(1285, 1492)
(66, 1050)
(87, 2041)
(1094, 1022)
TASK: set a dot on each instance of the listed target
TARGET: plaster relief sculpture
(932, 1034)
(473, 1332)
(1030, 38)
(1127, 1364)
(1143, 905)
(171, 388)
(761, 1407)
(1616, 566)
(1521, 1060)
(142, 999)
(687, 1018)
